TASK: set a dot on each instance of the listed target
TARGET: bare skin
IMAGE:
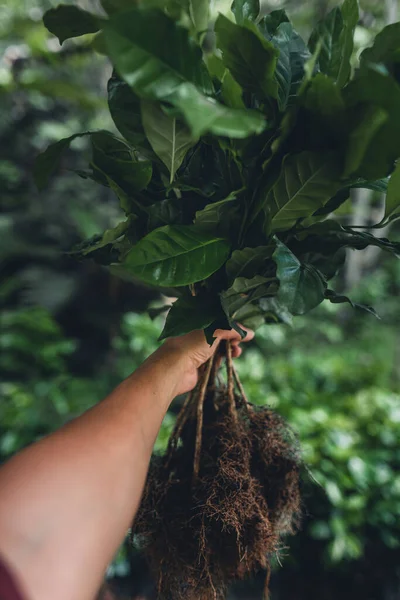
(67, 501)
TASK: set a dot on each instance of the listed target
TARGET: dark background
(70, 331)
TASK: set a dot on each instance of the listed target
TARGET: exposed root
(200, 404)
(215, 507)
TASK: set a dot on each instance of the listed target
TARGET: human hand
(194, 350)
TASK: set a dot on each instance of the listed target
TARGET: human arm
(67, 501)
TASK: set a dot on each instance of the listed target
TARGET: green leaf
(373, 88)
(245, 10)
(124, 107)
(333, 203)
(178, 255)
(188, 314)
(199, 13)
(218, 217)
(385, 49)
(244, 291)
(203, 114)
(249, 262)
(380, 185)
(215, 66)
(70, 21)
(250, 58)
(165, 212)
(113, 6)
(392, 206)
(327, 33)
(335, 34)
(113, 158)
(231, 91)
(152, 53)
(332, 235)
(156, 58)
(99, 241)
(251, 316)
(340, 299)
(275, 312)
(48, 161)
(270, 23)
(306, 183)
(369, 121)
(169, 138)
(322, 96)
(301, 286)
(350, 13)
(293, 54)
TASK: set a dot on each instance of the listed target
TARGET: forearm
(67, 501)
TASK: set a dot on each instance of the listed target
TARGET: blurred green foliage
(69, 332)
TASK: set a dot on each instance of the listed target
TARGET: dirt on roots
(216, 505)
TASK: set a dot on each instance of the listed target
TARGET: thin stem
(180, 422)
(231, 389)
(246, 403)
(266, 584)
(200, 405)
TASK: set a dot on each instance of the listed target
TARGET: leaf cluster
(239, 142)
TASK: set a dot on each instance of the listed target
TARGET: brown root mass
(208, 518)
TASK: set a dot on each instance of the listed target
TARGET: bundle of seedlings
(240, 149)
(217, 504)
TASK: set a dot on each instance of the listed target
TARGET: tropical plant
(240, 143)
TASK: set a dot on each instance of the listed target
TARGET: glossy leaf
(331, 235)
(244, 291)
(340, 299)
(177, 255)
(198, 11)
(373, 88)
(165, 212)
(250, 58)
(380, 185)
(293, 54)
(203, 114)
(385, 48)
(392, 206)
(113, 6)
(327, 33)
(218, 217)
(370, 121)
(99, 241)
(188, 314)
(245, 10)
(335, 34)
(324, 97)
(48, 161)
(124, 107)
(350, 13)
(251, 316)
(249, 262)
(231, 91)
(169, 138)
(274, 311)
(66, 22)
(270, 23)
(152, 53)
(113, 157)
(301, 286)
(306, 183)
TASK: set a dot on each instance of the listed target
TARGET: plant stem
(231, 389)
(200, 405)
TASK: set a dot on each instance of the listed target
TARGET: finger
(236, 351)
(233, 335)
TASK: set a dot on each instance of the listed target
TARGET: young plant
(240, 141)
